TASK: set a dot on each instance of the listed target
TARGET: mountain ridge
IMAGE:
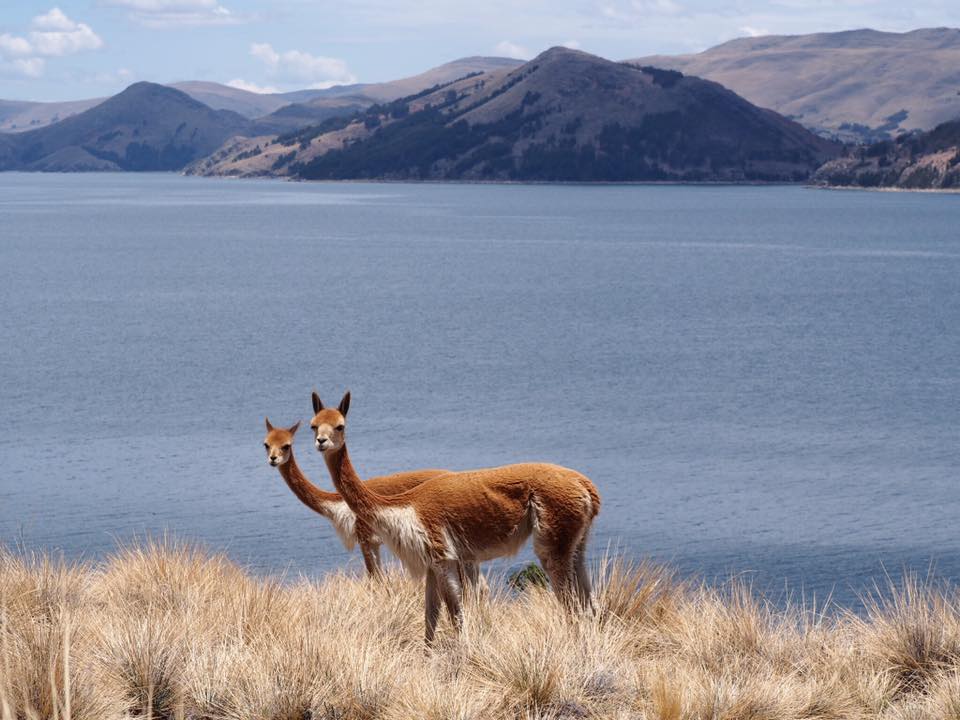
(23, 115)
(566, 115)
(145, 127)
(857, 85)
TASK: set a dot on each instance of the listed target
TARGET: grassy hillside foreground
(172, 632)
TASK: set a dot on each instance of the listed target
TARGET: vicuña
(470, 517)
(350, 529)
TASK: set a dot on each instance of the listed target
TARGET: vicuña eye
(285, 448)
(339, 428)
(266, 446)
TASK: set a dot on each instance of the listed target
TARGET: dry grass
(167, 631)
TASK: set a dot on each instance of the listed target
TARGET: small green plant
(531, 575)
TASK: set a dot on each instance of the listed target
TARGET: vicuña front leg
(448, 581)
(472, 579)
(431, 605)
(370, 559)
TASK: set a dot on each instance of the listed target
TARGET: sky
(73, 49)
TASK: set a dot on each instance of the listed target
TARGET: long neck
(358, 496)
(309, 494)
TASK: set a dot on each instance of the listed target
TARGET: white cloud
(52, 34)
(29, 67)
(657, 7)
(512, 50)
(242, 84)
(56, 34)
(54, 20)
(297, 66)
(12, 46)
(572, 44)
(178, 13)
(753, 32)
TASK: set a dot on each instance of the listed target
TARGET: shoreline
(536, 183)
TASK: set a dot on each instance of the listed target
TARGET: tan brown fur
(471, 516)
(279, 446)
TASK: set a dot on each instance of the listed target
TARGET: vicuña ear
(293, 428)
(269, 426)
(317, 405)
(345, 404)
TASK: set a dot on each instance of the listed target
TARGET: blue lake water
(759, 380)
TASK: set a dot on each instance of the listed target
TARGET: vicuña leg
(583, 574)
(431, 604)
(470, 578)
(555, 550)
(370, 559)
(448, 580)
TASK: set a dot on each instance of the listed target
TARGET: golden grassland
(165, 630)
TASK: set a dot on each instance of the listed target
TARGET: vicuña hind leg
(582, 574)
(556, 555)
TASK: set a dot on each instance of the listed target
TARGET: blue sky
(70, 49)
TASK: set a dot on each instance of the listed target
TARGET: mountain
(317, 104)
(22, 115)
(859, 85)
(387, 91)
(927, 161)
(565, 115)
(349, 99)
(145, 127)
(224, 97)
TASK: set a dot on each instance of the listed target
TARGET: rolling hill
(860, 85)
(145, 127)
(23, 115)
(349, 99)
(313, 105)
(565, 115)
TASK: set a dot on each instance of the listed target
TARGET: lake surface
(760, 380)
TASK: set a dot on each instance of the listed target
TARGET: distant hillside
(924, 161)
(145, 127)
(23, 115)
(394, 89)
(317, 104)
(223, 97)
(565, 115)
(349, 99)
(859, 85)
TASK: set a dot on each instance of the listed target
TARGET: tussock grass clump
(167, 631)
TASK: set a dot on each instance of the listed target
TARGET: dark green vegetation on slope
(568, 115)
(145, 127)
(928, 160)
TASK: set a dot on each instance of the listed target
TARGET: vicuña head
(279, 443)
(329, 425)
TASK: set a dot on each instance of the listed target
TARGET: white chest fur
(343, 521)
(404, 533)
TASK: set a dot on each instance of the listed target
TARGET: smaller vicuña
(350, 530)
